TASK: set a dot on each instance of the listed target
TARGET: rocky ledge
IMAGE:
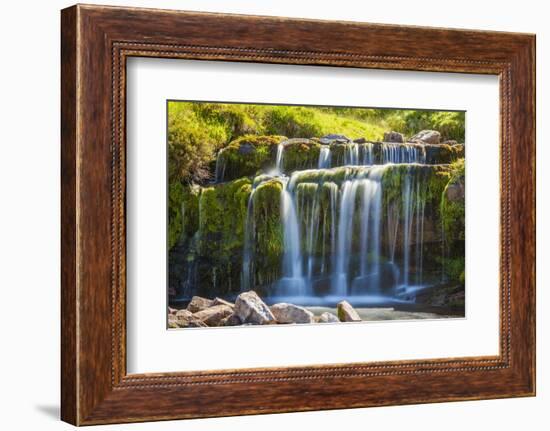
(249, 309)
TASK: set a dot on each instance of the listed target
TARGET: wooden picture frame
(95, 43)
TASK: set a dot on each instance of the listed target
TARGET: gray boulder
(393, 137)
(427, 136)
(231, 320)
(290, 313)
(327, 317)
(333, 138)
(249, 308)
(346, 313)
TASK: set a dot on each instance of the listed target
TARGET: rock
(393, 137)
(172, 321)
(212, 316)
(346, 313)
(450, 142)
(246, 148)
(186, 319)
(427, 136)
(360, 141)
(455, 192)
(221, 301)
(327, 317)
(183, 314)
(290, 313)
(231, 320)
(251, 309)
(199, 303)
(333, 138)
(172, 310)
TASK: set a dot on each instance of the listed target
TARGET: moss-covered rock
(268, 243)
(245, 156)
(222, 215)
(300, 154)
(452, 211)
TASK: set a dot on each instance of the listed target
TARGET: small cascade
(403, 153)
(351, 154)
(220, 167)
(367, 154)
(279, 159)
(292, 282)
(354, 230)
(324, 157)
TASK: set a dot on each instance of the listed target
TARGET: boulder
(333, 138)
(455, 192)
(290, 313)
(199, 303)
(186, 319)
(172, 310)
(360, 141)
(183, 315)
(393, 137)
(172, 321)
(427, 136)
(231, 320)
(327, 317)
(249, 308)
(346, 313)
(212, 316)
(221, 301)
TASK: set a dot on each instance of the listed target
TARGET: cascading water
(342, 235)
(324, 157)
(403, 153)
(292, 282)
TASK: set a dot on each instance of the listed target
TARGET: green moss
(452, 215)
(453, 209)
(268, 232)
(300, 155)
(222, 215)
(183, 216)
(247, 155)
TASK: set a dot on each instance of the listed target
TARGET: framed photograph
(329, 214)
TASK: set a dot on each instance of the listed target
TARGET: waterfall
(324, 157)
(403, 153)
(407, 225)
(220, 167)
(345, 237)
(335, 223)
(351, 154)
(279, 159)
(292, 281)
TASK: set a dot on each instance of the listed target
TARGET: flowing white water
(292, 280)
(403, 153)
(345, 237)
(279, 159)
(220, 167)
(332, 227)
(324, 157)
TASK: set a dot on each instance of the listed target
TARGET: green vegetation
(197, 131)
(246, 155)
